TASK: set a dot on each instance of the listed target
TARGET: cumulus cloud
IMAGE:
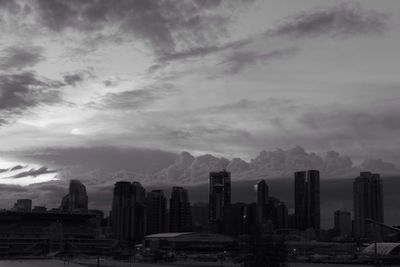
(18, 57)
(188, 169)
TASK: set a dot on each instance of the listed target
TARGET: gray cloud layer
(345, 20)
(159, 23)
(20, 57)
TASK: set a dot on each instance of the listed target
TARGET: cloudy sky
(104, 83)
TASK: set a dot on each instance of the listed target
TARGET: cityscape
(147, 226)
(190, 133)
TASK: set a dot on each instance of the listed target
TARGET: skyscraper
(219, 194)
(128, 212)
(262, 199)
(313, 200)
(156, 207)
(282, 214)
(300, 200)
(77, 199)
(342, 222)
(307, 199)
(180, 218)
(368, 203)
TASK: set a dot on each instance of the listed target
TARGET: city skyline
(259, 88)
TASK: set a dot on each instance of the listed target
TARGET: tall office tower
(300, 200)
(282, 213)
(307, 199)
(262, 200)
(199, 216)
(128, 212)
(77, 199)
(313, 200)
(234, 219)
(156, 208)
(368, 203)
(342, 222)
(219, 194)
(24, 205)
(180, 213)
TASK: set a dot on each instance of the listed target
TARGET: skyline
(109, 90)
(281, 190)
(209, 77)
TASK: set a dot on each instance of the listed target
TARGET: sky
(262, 87)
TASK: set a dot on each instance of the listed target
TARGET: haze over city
(163, 92)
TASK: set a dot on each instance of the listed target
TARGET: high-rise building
(313, 200)
(156, 208)
(342, 220)
(282, 213)
(234, 219)
(24, 205)
(180, 218)
(128, 212)
(219, 194)
(77, 199)
(368, 204)
(307, 199)
(199, 216)
(300, 200)
(262, 200)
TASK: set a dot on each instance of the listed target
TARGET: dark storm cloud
(22, 91)
(345, 20)
(160, 23)
(109, 159)
(20, 57)
(25, 90)
(33, 172)
(17, 167)
(239, 60)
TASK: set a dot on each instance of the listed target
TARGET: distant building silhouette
(219, 194)
(76, 200)
(313, 200)
(39, 209)
(368, 203)
(128, 212)
(262, 191)
(342, 222)
(282, 213)
(199, 216)
(24, 205)
(307, 200)
(180, 218)
(156, 208)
